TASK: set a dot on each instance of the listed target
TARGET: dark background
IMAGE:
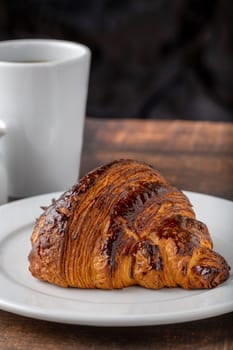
(150, 58)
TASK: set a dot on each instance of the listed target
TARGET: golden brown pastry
(123, 224)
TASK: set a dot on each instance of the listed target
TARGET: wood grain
(196, 156)
(25, 333)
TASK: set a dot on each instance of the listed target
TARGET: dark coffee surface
(29, 61)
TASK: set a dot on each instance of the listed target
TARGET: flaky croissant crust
(123, 224)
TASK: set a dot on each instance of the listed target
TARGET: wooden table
(196, 156)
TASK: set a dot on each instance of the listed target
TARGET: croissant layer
(123, 224)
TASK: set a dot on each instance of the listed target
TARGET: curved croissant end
(123, 224)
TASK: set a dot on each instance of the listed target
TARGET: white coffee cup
(43, 92)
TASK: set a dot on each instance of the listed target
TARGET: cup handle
(2, 128)
(3, 176)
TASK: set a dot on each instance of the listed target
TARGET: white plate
(22, 294)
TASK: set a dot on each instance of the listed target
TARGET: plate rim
(110, 320)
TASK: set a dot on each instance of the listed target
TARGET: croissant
(123, 224)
